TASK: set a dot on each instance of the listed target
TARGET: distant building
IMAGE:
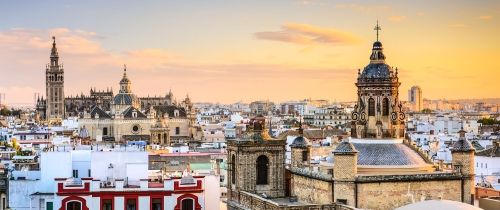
(261, 107)
(415, 98)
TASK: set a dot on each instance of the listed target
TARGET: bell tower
(378, 113)
(54, 84)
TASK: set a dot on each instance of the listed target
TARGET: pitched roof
(387, 154)
(170, 110)
(313, 134)
(491, 152)
(128, 113)
(96, 110)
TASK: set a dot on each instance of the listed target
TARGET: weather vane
(377, 28)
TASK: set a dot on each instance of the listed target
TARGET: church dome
(300, 141)
(376, 71)
(377, 68)
(125, 99)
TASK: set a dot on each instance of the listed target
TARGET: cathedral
(375, 163)
(122, 117)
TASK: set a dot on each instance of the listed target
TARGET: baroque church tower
(378, 112)
(54, 83)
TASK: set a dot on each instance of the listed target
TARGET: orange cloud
(458, 25)
(305, 34)
(485, 17)
(397, 18)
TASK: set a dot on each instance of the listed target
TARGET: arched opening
(233, 169)
(187, 204)
(159, 138)
(371, 107)
(74, 205)
(262, 170)
(165, 138)
(385, 107)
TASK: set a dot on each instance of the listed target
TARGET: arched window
(165, 138)
(262, 170)
(187, 204)
(233, 169)
(159, 138)
(74, 205)
(385, 107)
(371, 107)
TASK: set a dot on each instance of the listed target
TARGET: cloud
(25, 52)
(397, 18)
(364, 8)
(304, 34)
(458, 25)
(485, 17)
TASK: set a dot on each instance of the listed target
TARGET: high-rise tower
(54, 83)
(415, 98)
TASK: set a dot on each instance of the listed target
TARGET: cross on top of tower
(377, 28)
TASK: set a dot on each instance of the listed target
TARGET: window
(177, 130)
(105, 131)
(371, 107)
(233, 169)
(159, 137)
(304, 156)
(156, 204)
(262, 170)
(50, 206)
(187, 204)
(74, 205)
(107, 204)
(385, 107)
(131, 204)
(89, 174)
(135, 128)
(342, 201)
(75, 173)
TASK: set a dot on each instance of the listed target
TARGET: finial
(54, 39)
(124, 67)
(377, 28)
(301, 130)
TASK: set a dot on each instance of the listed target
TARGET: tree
(5, 112)
(426, 111)
(488, 121)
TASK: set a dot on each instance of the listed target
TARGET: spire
(377, 55)
(54, 56)
(377, 28)
(301, 130)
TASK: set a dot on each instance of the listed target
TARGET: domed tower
(462, 157)
(160, 132)
(300, 150)
(125, 98)
(378, 112)
(256, 163)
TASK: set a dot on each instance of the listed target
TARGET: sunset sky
(229, 51)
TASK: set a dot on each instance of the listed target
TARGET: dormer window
(134, 114)
(176, 113)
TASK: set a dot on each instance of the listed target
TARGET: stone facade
(54, 83)
(311, 190)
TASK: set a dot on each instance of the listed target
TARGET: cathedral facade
(121, 117)
(374, 164)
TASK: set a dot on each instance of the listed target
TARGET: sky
(227, 51)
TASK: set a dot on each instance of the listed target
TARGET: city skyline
(218, 52)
